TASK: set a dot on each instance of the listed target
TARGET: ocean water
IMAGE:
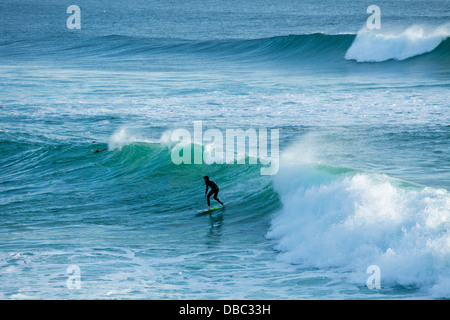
(364, 127)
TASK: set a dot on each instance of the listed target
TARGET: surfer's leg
(209, 196)
(217, 199)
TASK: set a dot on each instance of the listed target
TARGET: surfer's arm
(206, 190)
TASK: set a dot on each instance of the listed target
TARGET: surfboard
(208, 211)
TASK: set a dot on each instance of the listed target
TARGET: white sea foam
(124, 136)
(353, 220)
(372, 46)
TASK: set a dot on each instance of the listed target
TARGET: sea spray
(371, 46)
(353, 220)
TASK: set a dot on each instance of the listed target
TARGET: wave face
(122, 47)
(349, 220)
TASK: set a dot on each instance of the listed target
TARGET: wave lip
(369, 46)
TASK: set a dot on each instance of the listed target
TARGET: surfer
(214, 191)
(101, 150)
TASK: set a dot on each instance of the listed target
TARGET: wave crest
(370, 46)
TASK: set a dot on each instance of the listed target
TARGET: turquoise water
(364, 150)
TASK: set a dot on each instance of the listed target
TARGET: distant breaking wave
(366, 46)
(370, 46)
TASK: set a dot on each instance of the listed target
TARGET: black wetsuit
(214, 191)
